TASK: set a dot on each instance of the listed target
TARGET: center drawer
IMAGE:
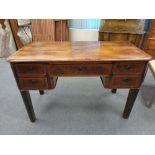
(79, 70)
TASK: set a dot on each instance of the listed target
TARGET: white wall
(83, 35)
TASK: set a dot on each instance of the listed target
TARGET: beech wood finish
(119, 64)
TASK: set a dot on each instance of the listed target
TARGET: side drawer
(33, 83)
(30, 70)
(79, 70)
(121, 81)
(128, 68)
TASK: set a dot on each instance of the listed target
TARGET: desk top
(79, 51)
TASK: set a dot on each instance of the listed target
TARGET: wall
(83, 34)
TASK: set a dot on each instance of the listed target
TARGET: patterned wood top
(79, 51)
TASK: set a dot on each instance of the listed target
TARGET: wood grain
(128, 67)
(149, 46)
(130, 26)
(30, 70)
(122, 81)
(122, 30)
(14, 28)
(33, 83)
(50, 30)
(61, 30)
(58, 52)
(79, 69)
(43, 30)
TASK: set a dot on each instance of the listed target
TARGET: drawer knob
(33, 81)
(128, 67)
(126, 80)
(30, 68)
(80, 68)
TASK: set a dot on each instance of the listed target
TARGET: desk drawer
(79, 70)
(122, 82)
(33, 83)
(30, 70)
(128, 68)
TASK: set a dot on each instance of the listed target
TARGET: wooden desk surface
(79, 51)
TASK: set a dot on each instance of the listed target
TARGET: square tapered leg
(130, 102)
(41, 92)
(114, 91)
(28, 104)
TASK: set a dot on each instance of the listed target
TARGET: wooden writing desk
(119, 64)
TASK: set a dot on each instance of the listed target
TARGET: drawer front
(30, 70)
(122, 82)
(128, 68)
(79, 70)
(33, 83)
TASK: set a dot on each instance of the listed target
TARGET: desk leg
(130, 102)
(114, 91)
(41, 92)
(28, 104)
